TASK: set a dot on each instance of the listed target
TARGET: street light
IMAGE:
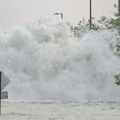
(61, 14)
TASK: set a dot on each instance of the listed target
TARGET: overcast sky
(20, 12)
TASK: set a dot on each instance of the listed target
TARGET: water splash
(45, 63)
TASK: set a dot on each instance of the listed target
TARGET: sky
(20, 12)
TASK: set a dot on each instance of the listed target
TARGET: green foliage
(117, 78)
(109, 23)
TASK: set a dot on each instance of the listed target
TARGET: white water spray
(44, 63)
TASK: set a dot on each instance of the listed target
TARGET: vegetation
(117, 78)
(102, 23)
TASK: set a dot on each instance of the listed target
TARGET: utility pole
(0, 92)
(91, 14)
(118, 7)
